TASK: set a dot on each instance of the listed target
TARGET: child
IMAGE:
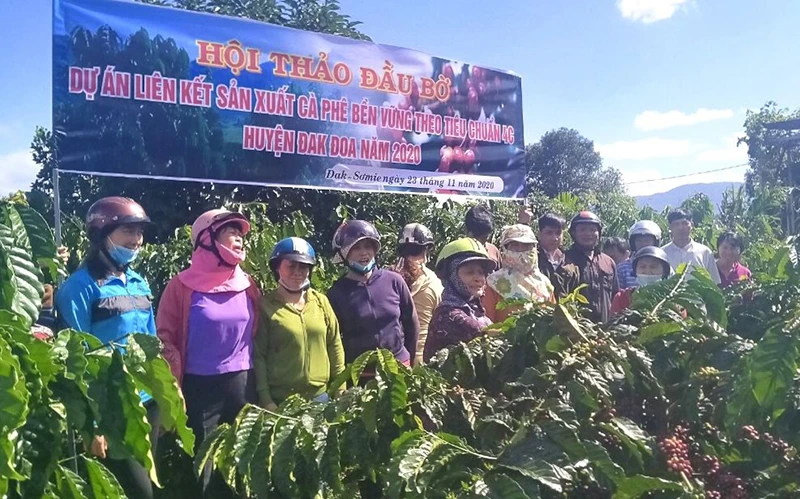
(650, 265)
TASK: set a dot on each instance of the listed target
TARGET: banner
(146, 91)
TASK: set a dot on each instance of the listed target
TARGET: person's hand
(99, 447)
(271, 406)
(525, 215)
(494, 332)
(63, 254)
(47, 299)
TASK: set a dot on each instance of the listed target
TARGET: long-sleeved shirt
(377, 313)
(698, 255)
(296, 351)
(451, 325)
(426, 293)
(564, 278)
(109, 309)
(625, 276)
(600, 276)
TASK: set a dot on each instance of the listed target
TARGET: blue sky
(661, 86)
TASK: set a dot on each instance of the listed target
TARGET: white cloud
(18, 171)
(649, 11)
(644, 149)
(731, 153)
(657, 120)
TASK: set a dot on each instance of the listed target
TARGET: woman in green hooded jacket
(298, 346)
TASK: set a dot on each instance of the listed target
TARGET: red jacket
(172, 321)
(621, 301)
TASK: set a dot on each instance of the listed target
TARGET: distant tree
(565, 161)
(321, 16)
(769, 161)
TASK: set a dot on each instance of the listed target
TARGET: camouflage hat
(519, 233)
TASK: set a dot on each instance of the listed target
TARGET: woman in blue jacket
(107, 299)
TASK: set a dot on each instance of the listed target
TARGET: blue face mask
(361, 269)
(121, 255)
(645, 280)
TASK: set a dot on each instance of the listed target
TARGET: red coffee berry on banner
(469, 157)
(414, 92)
(444, 164)
(446, 151)
(458, 154)
(472, 98)
(448, 72)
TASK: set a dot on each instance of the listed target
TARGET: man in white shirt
(683, 249)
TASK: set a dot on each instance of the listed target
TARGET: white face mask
(644, 280)
(304, 286)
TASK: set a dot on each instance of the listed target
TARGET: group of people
(230, 343)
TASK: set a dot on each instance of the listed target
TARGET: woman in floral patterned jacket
(520, 277)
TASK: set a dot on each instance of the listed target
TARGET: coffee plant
(691, 393)
(58, 393)
(680, 397)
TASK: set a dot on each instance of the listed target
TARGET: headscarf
(520, 277)
(456, 294)
(207, 274)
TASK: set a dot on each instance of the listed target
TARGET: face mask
(644, 280)
(120, 254)
(231, 257)
(304, 286)
(521, 261)
(361, 269)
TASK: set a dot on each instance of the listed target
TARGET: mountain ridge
(674, 197)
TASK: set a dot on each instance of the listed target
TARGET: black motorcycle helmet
(653, 252)
(414, 239)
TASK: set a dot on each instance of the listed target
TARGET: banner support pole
(57, 208)
(57, 229)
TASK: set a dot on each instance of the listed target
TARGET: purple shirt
(220, 333)
(738, 273)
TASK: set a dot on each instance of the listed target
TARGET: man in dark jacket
(597, 270)
(564, 278)
(479, 223)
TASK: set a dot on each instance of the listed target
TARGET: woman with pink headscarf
(206, 320)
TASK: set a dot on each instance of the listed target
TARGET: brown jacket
(600, 275)
(564, 278)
